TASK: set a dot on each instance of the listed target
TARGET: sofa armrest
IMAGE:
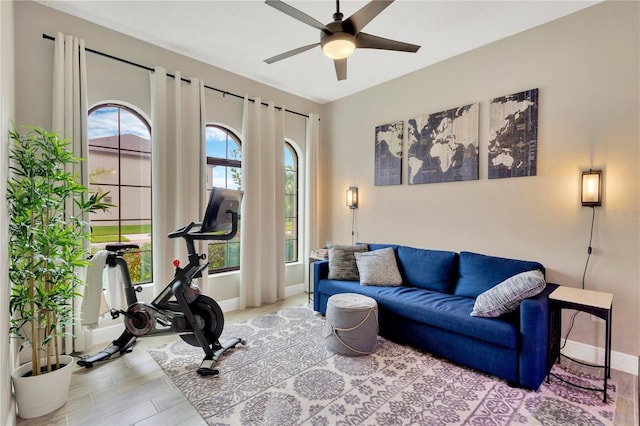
(320, 272)
(534, 331)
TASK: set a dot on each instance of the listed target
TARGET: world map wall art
(443, 147)
(388, 154)
(513, 135)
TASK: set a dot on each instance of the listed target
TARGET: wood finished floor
(133, 389)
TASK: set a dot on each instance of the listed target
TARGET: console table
(595, 303)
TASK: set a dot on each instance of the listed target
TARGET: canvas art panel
(388, 154)
(513, 135)
(443, 147)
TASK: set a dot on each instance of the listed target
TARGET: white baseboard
(10, 420)
(234, 304)
(104, 334)
(111, 332)
(293, 290)
(595, 355)
(619, 361)
(229, 305)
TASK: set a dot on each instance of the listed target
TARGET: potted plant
(47, 246)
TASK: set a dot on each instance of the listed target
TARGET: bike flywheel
(209, 320)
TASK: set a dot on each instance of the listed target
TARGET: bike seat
(116, 247)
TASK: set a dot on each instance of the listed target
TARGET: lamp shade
(591, 194)
(352, 197)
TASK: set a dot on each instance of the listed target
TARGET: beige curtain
(69, 119)
(312, 189)
(177, 140)
(262, 227)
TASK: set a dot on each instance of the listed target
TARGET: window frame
(231, 135)
(290, 146)
(131, 255)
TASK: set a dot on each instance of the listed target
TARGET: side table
(595, 303)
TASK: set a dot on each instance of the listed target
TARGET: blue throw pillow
(479, 273)
(429, 269)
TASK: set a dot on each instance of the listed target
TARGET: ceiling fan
(339, 38)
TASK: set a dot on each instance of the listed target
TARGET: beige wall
(7, 351)
(109, 80)
(586, 67)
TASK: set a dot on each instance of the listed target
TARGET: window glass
(290, 203)
(119, 162)
(224, 170)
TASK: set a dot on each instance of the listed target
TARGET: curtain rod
(186, 80)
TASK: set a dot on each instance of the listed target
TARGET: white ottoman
(351, 324)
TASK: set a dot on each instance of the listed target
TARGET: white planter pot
(43, 394)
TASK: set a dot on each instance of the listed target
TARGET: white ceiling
(238, 35)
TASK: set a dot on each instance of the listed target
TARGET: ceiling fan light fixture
(338, 45)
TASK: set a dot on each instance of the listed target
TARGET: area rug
(286, 376)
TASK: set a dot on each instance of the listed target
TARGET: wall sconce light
(591, 195)
(352, 197)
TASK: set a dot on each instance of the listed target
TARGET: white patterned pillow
(506, 296)
(378, 267)
(342, 263)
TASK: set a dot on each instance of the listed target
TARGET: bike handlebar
(186, 232)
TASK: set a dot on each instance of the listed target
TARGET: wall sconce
(352, 197)
(591, 195)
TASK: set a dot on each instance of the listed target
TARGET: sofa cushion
(506, 296)
(435, 309)
(378, 246)
(428, 269)
(378, 267)
(478, 272)
(342, 262)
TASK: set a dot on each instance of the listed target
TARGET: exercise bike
(180, 307)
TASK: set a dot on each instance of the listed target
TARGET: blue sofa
(431, 311)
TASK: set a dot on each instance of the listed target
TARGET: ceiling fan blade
(296, 14)
(362, 17)
(368, 41)
(341, 68)
(285, 55)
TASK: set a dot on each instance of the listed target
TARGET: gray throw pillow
(506, 296)
(378, 267)
(342, 262)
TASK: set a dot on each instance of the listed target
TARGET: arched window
(290, 203)
(119, 162)
(224, 169)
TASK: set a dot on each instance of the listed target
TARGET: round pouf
(351, 324)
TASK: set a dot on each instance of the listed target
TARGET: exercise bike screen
(221, 201)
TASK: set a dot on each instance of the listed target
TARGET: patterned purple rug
(285, 376)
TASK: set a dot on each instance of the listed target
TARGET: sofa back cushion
(429, 269)
(377, 246)
(479, 273)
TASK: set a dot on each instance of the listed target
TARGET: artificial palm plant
(47, 243)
